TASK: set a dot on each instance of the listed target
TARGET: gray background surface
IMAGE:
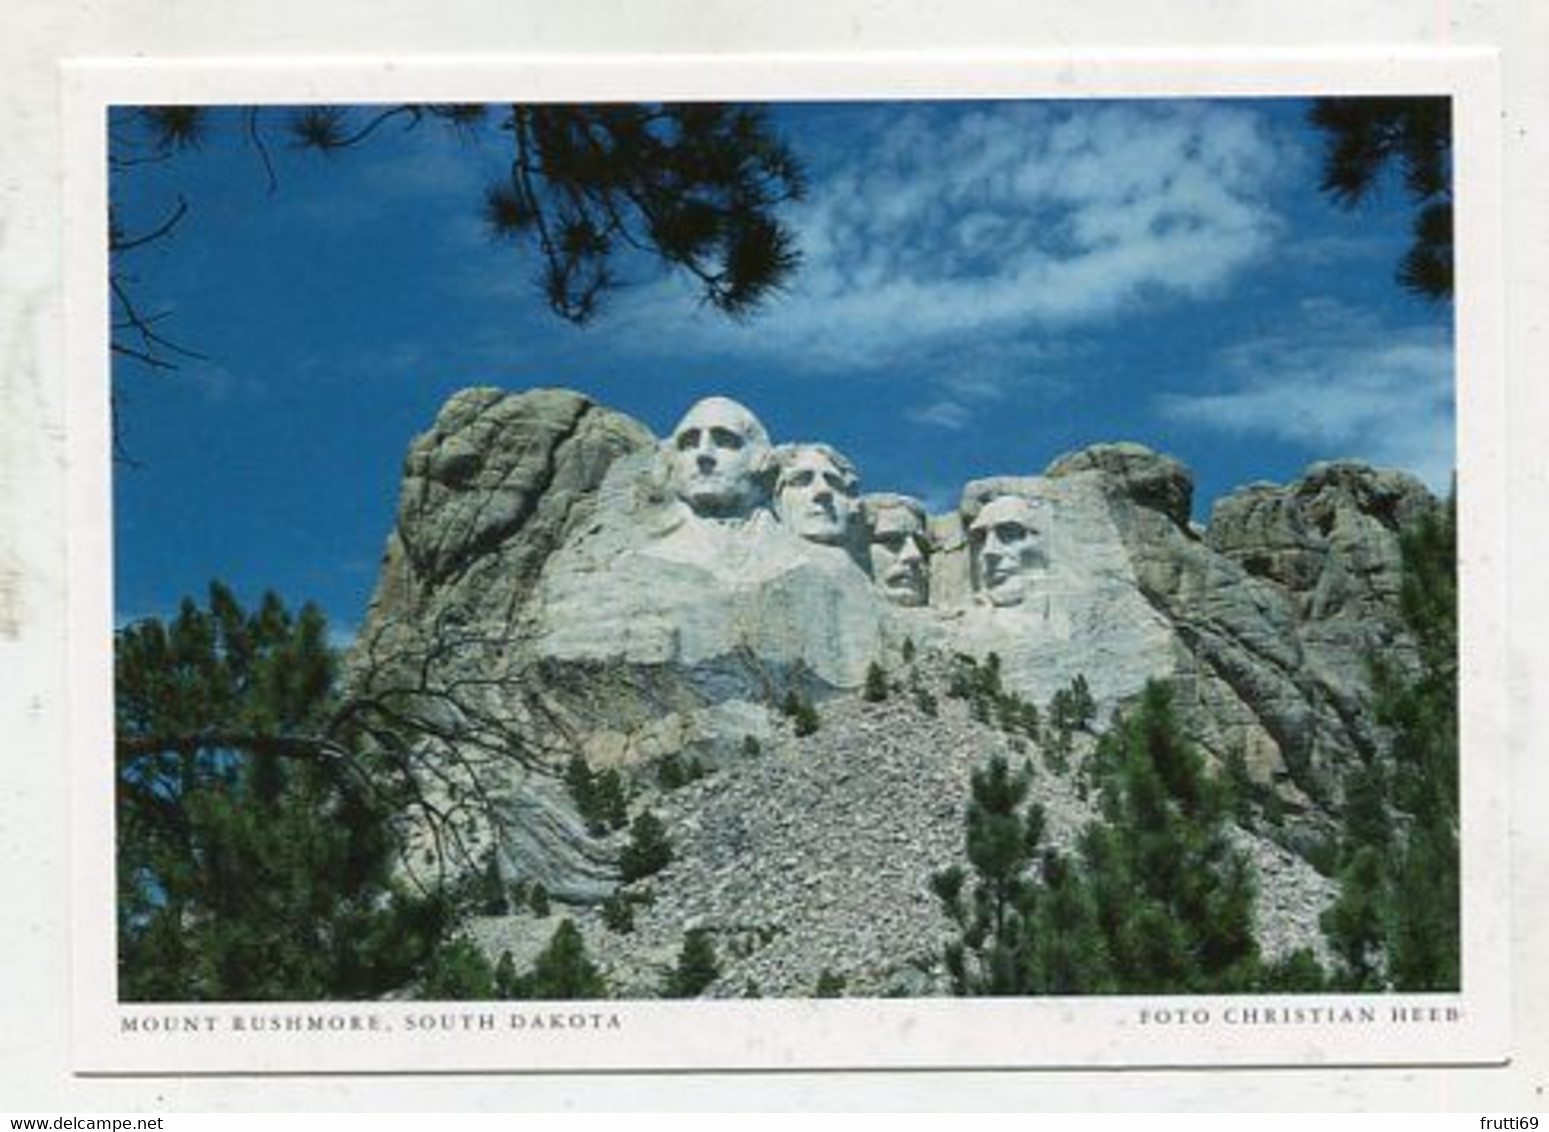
(34, 770)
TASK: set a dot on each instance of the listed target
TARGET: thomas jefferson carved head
(898, 549)
(815, 493)
(1006, 541)
(720, 456)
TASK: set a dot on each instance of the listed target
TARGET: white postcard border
(1154, 1032)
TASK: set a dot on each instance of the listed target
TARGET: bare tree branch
(263, 150)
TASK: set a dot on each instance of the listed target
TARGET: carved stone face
(718, 452)
(898, 563)
(1006, 542)
(815, 494)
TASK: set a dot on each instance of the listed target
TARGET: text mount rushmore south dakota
(715, 721)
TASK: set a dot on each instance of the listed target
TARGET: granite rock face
(1087, 613)
(488, 494)
(1275, 607)
(549, 592)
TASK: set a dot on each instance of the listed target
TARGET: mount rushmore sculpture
(647, 597)
(730, 483)
(723, 469)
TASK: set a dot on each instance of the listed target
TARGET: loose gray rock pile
(814, 857)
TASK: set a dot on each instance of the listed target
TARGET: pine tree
(459, 972)
(800, 711)
(670, 774)
(1083, 709)
(618, 913)
(563, 970)
(1297, 973)
(991, 955)
(538, 900)
(599, 796)
(1066, 952)
(1354, 924)
(254, 862)
(876, 684)
(1072, 707)
(648, 850)
(697, 966)
(829, 985)
(1173, 899)
(493, 898)
(807, 721)
(1368, 139)
(1424, 935)
(508, 984)
(697, 187)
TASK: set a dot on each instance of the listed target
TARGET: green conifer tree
(459, 972)
(1066, 951)
(829, 985)
(670, 772)
(993, 913)
(648, 851)
(1424, 930)
(255, 860)
(1174, 900)
(618, 913)
(508, 984)
(563, 970)
(493, 898)
(876, 684)
(807, 720)
(600, 797)
(697, 967)
(538, 900)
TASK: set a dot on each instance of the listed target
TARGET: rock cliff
(559, 583)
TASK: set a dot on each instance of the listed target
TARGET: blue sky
(985, 286)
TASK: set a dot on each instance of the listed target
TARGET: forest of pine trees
(254, 862)
(1153, 900)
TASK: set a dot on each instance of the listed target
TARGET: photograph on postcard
(877, 554)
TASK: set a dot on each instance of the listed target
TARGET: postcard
(714, 563)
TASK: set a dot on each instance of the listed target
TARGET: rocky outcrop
(547, 593)
(1151, 480)
(488, 494)
(493, 489)
(1277, 606)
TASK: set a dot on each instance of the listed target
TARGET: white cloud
(1015, 218)
(941, 414)
(970, 245)
(1340, 384)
